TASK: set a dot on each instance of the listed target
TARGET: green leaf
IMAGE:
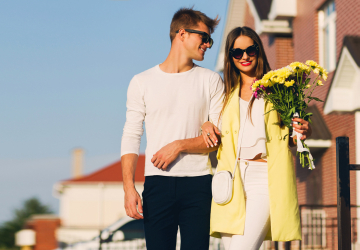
(315, 98)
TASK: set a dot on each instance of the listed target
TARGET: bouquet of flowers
(289, 90)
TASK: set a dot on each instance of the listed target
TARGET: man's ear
(181, 34)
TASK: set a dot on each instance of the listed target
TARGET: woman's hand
(209, 132)
(304, 128)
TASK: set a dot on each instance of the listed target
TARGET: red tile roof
(111, 173)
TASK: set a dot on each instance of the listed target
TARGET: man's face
(193, 44)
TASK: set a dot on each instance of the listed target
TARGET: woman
(264, 203)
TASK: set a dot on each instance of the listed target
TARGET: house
(38, 233)
(326, 31)
(92, 202)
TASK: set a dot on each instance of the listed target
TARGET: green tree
(20, 216)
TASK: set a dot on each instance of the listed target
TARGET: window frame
(327, 22)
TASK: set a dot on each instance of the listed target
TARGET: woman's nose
(245, 56)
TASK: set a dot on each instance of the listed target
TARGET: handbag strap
(240, 139)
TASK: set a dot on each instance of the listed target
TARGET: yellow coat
(284, 208)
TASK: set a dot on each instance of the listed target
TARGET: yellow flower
(314, 66)
(295, 65)
(319, 83)
(317, 69)
(265, 83)
(289, 83)
(285, 72)
(281, 80)
(274, 78)
(280, 75)
(312, 63)
(255, 85)
(308, 86)
(300, 67)
(324, 74)
(268, 75)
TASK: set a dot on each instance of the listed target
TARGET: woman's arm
(210, 134)
(304, 129)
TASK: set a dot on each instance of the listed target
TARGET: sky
(64, 71)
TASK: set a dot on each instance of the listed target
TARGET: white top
(173, 106)
(252, 130)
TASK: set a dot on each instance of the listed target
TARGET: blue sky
(64, 71)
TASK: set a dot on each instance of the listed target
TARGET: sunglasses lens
(237, 54)
(251, 51)
(207, 39)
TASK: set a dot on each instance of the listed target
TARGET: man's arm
(171, 151)
(132, 197)
(130, 144)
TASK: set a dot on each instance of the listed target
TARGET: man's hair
(187, 18)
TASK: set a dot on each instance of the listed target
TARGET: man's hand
(166, 155)
(132, 198)
(304, 128)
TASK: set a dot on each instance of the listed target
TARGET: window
(327, 36)
(133, 230)
(313, 228)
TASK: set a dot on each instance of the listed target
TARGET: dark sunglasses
(250, 51)
(205, 36)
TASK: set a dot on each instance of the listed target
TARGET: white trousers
(257, 220)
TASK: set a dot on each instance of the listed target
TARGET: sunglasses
(250, 51)
(205, 36)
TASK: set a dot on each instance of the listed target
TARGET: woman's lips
(245, 63)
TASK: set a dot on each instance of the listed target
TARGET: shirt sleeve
(216, 99)
(135, 115)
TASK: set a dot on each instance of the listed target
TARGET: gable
(344, 91)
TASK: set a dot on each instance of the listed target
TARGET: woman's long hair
(232, 75)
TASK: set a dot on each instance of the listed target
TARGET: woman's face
(247, 64)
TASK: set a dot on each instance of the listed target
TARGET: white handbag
(223, 181)
(222, 186)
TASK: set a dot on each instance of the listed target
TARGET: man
(174, 99)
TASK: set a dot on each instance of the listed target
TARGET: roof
(320, 130)
(44, 217)
(111, 173)
(353, 45)
(263, 8)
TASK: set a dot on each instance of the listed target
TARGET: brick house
(326, 31)
(44, 227)
(92, 202)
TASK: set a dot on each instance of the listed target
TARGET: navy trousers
(172, 202)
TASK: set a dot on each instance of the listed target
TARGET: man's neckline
(185, 72)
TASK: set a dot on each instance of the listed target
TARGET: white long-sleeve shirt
(173, 106)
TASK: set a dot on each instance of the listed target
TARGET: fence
(320, 227)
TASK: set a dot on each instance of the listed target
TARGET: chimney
(78, 160)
